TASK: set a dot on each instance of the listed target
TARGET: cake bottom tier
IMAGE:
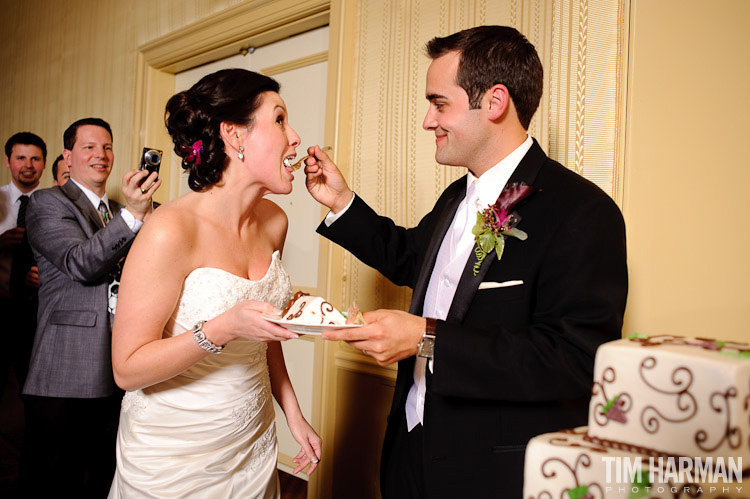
(569, 465)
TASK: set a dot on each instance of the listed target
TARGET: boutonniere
(498, 221)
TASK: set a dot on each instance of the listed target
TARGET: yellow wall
(62, 61)
(687, 170)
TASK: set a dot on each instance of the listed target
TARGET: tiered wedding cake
(669, 418)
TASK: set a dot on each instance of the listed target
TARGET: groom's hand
(325, 182)
(388, 336)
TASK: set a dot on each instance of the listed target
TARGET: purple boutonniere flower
(498, 221)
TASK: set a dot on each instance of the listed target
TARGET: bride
(189, 345)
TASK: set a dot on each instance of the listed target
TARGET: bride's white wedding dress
(208, 432)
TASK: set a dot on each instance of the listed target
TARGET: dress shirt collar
(491, 183)
(93, 198)
(15, 193)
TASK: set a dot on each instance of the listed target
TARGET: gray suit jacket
(75, 253)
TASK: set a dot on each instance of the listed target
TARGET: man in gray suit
(78, 237)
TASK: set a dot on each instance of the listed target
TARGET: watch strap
(426, 346)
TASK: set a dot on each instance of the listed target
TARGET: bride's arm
(310, 443)
(156, 267)
(283, 392)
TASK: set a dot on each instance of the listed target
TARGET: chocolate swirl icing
(732, 434)
(583, 459)
(682, 379)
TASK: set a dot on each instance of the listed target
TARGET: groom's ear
(497, 101)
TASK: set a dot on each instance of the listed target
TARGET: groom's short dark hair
(492, 55)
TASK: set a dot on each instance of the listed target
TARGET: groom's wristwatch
(426, 346)
(200, 338)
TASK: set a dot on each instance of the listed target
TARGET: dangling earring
(241, 152)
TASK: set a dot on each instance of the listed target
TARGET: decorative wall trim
(296, 64)
(587, 87)
(250, 24)
(362, 364)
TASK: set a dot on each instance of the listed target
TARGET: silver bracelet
(200, 338)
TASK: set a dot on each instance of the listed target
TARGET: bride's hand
(244, 321)
(310, 443)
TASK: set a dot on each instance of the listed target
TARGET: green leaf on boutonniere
(517, 233)
(478, 226)
(487, 241)
(498, 221)
(499, 246)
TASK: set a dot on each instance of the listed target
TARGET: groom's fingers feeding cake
(669, 417)
(306, 309)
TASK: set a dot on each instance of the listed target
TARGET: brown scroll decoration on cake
(326, 308)
(682, 379)
(584, 460)
(732, 434)
(297, 296)
(705, 343)
(616, 408)
(664, 339)
(564, 442)
(635, 449)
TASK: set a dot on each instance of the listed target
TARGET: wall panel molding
(587, 85)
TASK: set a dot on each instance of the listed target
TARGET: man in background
(25, 157)
(60, 171)
(78, 236)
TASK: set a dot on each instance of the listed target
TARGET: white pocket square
(506, 284)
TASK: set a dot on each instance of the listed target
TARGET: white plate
(298, 328)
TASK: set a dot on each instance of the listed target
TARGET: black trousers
(403, 475)
(69, 446)
(17, 337)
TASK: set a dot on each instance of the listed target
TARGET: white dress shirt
(451, 260)
(9, 204)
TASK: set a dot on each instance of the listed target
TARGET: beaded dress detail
(208, 432)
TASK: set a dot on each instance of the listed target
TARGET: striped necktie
(22, 257)
(104, 213)
(21, 220)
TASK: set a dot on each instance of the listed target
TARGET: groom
(493, 351)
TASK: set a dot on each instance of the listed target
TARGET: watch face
(427, 347)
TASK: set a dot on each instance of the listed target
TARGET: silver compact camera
(150, 160)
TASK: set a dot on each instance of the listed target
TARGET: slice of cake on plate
(306, 309)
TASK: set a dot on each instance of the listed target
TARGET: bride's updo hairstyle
(193, 118)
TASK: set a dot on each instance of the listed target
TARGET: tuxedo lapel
(526, 172)
(447, 212)
(76, 196)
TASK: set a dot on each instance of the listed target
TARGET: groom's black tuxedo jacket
(510, 362)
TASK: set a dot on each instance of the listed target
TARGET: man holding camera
(78, 237)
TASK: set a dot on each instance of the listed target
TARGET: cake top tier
(707, 348)
(673, 395)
